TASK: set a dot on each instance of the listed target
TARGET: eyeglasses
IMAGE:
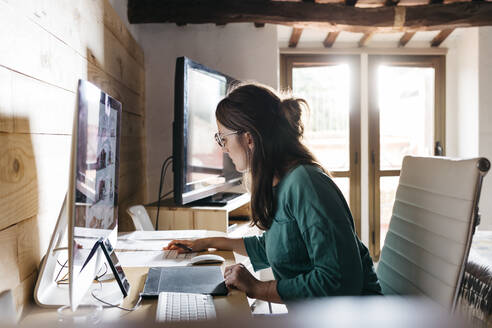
(220, 137)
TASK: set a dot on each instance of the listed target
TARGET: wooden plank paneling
(132, 125)
(52, 155)
(113, 22)
(28, 247)
(210, 220)
(47, 109)
(81, 25)
(18, 182)
(131, 101)
(9, 270)
(23, 292)
(6, 112)
(46, 47)
(129, 183)
(30, 50)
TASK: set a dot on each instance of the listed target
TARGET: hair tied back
(292, 109)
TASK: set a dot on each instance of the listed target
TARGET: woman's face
(235, 145)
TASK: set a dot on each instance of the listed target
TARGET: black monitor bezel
(180, 139)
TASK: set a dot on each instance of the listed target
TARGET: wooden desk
(234, 304)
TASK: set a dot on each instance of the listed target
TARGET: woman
(309, 239)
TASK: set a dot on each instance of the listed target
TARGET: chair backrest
(140, 218)
(431, 228)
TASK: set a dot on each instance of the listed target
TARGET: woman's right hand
(196, 245)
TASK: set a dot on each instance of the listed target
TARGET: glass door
(331, 85)
(406, 117)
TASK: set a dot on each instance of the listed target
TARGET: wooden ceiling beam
(332, 16)
(294, 37)
(365, 39)
(405, 38)
(330, 39)
(438, 39)
(390, 3)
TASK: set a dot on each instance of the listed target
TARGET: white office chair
(431, 229)
(140, 218)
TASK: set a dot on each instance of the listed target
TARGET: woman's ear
(249, 140)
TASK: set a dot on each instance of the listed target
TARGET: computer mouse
(207, 259)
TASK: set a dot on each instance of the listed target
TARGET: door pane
(387, 187)
(344, 185)
(326, 89)
(406, 113)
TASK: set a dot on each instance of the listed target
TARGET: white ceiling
(313, 38)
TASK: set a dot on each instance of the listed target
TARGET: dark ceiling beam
(438, 39)
(390, 3)
(330, 39)
(301, 14)
(405, 38)
(294, 37)
(350, 2)
(365, 39)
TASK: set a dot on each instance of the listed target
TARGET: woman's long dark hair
(276, 129)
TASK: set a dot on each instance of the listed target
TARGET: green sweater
(311, 245)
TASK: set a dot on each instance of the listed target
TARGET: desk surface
(235, 303)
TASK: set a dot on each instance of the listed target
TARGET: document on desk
(169, 234)
(141, 245)
(153, 259)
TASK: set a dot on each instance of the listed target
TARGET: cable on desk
(115, 305)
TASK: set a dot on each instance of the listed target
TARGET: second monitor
(200, 167)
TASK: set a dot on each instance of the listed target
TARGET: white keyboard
(184, 307)
(173, 255)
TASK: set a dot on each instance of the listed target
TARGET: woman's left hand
(238, 277)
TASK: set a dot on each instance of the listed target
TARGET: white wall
(469, 104)
(485, 118)
(462, 95)
(239, 50)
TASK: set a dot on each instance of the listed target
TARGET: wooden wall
(45, 47)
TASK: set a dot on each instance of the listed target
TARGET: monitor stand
(49, 293)
(218, 199)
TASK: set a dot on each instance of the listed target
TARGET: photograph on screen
(96, 190)
(205, 159)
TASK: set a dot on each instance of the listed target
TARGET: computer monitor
(200, 167)
(93, 188)
(90, 209)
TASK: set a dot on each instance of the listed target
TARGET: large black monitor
(200, 167)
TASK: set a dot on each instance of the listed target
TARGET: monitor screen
(93, 194)
(201, 168)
